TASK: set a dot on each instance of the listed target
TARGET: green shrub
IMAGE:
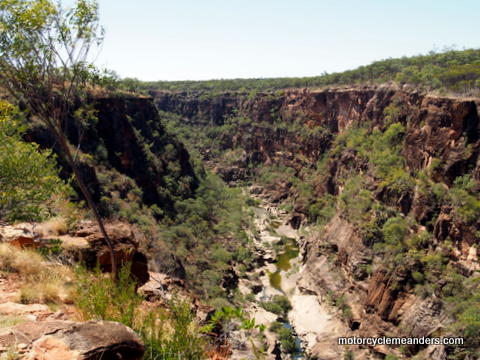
(279, 305)
(323, 209)
(419, 241)
(394, 231)
(228, 319)
(285, 336)
(29, 180)
(464, 305)
(434, 263)
(418, 277)
(391, 357)
(355, 200)
(464, 197)
(100, 297)
(168, 334)
(173, 334)
(392, 113)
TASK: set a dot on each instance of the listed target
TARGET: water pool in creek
(288, 251)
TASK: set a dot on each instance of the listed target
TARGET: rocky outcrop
(60, 340)
(87, 245)
(161, 288)
(379, 305)
(21, 235)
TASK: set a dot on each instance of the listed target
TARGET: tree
(44, 64)
(28, 176)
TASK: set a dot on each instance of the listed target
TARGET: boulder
(159, 285)
(60, 340)
(21, 235)
(126, 248)
(160, 288)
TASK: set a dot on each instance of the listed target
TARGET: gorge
(350, 160)
(284, 219)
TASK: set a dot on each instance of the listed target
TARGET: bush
(323, 209)
(207, 236)
(101, 297)
(464, 305)
(279, 305)
(418, 277)
(394, 231)
(464, 196)
(167, 333)
(172, 335)
(28, 176)
(355, 200)
(285, 336)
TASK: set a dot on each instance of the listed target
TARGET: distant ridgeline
(454, 70)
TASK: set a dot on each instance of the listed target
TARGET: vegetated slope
(125, 150)
(140, 172)
(46, 278)
(390, 175)
(454, 70)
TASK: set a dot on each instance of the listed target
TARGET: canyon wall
(123, 148)
(438, 127)
(299, 128)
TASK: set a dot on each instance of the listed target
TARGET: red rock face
(62, 340)
(443, 130)
(437, 127)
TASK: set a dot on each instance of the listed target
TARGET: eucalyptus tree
(45, 64)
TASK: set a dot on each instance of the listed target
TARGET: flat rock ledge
(60, 340)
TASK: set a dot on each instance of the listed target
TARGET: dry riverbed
(310, 319)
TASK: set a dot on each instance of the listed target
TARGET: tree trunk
(88, 198)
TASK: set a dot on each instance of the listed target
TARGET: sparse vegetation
(168, 333)
(39, 282)
(286, 336)
(198, 228)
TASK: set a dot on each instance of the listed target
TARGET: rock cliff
(123, 147)
(416, 158)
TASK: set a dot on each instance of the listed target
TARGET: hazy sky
(206, 39)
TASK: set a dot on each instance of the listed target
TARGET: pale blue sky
(211, 39)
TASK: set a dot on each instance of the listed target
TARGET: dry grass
(26, 263)
(34, 293)
(39, 281)
(71, 212)
(53, 227)
(51, 287)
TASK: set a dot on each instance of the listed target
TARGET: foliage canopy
(28, 176)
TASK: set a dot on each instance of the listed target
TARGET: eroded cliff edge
(390, 177)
